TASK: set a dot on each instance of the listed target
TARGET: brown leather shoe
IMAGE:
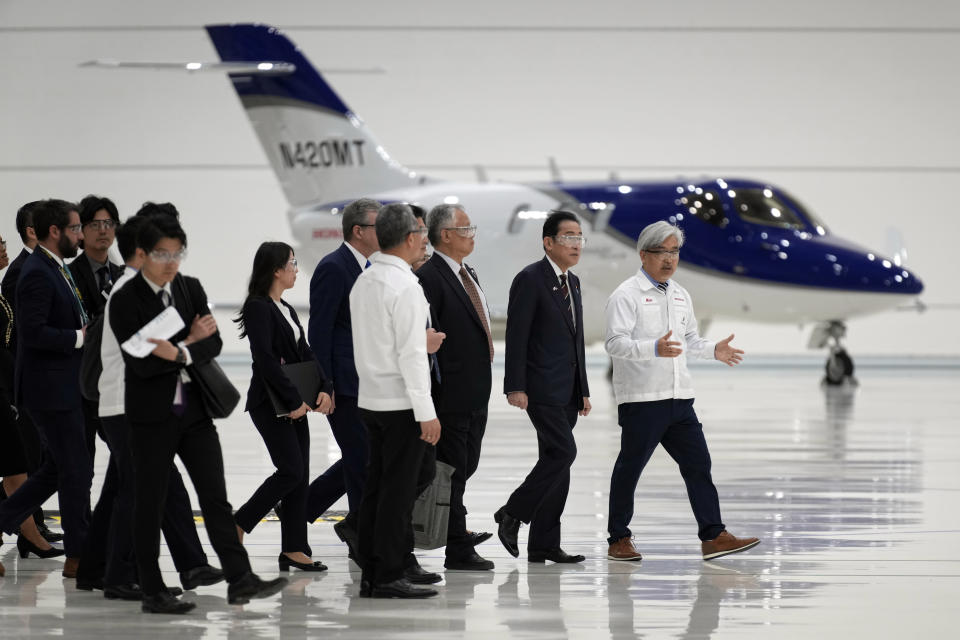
(623, 549)
(70, 567)
(725, 544)
(3, 571)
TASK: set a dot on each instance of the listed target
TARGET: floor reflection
(851, 490)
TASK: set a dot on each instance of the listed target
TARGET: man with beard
(52, 323)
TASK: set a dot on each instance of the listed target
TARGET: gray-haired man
(651, 329)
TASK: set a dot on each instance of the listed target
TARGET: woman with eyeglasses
(277, 338)
(13, 460)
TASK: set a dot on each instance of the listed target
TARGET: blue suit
(331, 338)
(47, 387)
(545, 359)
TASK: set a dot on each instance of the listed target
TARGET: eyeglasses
(102, 225)
(165, 257)
(463, 232)
(571, 240)
(364, 225)
(421, 230)
(292, 263)
(663, 253)
(74, 228)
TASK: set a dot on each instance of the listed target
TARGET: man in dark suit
(32, 446)
(93, 271)
(462, 390)
(545, 375)
(52, 324)
(167, 416)
(331, 338)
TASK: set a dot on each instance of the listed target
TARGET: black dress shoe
(349, 536)
(89, 584)
(285, 563)
(129, 591)
(164, 602)
(507, 529)
(251, 586)
(553, 555)
(418, 575)
(25, 547)
(469, 562)
(202, 576)
(48, 535)
(401, 588)
(475, 538)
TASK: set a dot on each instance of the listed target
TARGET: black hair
(156, 228)
(552, 224)
(91, 204)
(418, 211)
(127, 236)
(151, 209)
(270, 256)
(25, 219)
(51, 213)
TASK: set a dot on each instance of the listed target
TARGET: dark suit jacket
(93, 300)
(464, 357)
(329, 329)
(273, 343)
(545, 354)
(9, 289)
(151, 382)
(48, 316)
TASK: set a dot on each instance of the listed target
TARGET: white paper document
(165, 325)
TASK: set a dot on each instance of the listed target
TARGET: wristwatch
(181, 356)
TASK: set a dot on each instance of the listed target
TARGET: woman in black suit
(13, 460)
(276, 338)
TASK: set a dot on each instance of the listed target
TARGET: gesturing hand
(667, 348)
(727, 354)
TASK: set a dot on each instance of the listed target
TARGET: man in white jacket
(651, 330)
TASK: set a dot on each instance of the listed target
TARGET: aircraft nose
(892, 277)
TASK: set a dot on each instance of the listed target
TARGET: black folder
(306, 378)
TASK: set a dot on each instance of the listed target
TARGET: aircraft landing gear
(839, 367)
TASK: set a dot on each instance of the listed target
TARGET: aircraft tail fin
(320, 150)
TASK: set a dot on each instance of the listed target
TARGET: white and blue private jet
(752, 250)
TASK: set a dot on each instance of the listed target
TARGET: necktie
(434, 361)
(477, 305)
(662, 287)
(104, 281)
(367, 266)
(179, 400)
(567, 302)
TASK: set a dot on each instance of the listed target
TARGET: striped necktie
(662, 287)
(568, 303)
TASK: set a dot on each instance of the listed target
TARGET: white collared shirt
(637, 315)
(455, 267)
(389, 314)
(60, 262)
(361, 260)
(110, 384)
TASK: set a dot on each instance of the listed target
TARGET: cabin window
(706, 205)
(762, 206)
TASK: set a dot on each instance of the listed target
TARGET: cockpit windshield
(763, 206)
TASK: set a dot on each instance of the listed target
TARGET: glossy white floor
(854, 493)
